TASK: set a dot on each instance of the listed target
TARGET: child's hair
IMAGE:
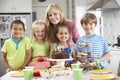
(88, 17)
(34, 25)
(17, 22)
(63, 25)
(58, 9)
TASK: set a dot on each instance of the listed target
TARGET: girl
(53, 17)
(40, 46)
(16, 51)
(63, 34)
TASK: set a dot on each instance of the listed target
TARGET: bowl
(29, 67)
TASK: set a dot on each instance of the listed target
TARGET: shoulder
(99, 37)
(8, 41)
(53, 45)
(79, 39)
(26, 39)
(69, 22)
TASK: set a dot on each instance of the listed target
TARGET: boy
(16, 51)
(96, 45)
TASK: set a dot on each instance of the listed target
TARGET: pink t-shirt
(74, 31)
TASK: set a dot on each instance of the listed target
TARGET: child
(97, 45)
(40, 46)
(63, 34)
(16, 51)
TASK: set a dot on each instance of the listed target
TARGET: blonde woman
(55, 16)
(40, 46)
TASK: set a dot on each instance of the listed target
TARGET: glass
(28, 74)
(75, 66)
(77, 74)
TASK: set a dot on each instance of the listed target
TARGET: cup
(75, 66)
(28, 74)
(77, 74)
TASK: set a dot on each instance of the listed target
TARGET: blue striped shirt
(98, 46)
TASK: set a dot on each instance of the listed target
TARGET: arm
(104, 56)
(73, 54)
(27, 59)
(4, 60)
(52, 47)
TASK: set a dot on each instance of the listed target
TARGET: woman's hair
(36, 23)
(88, 17)
(50, 28)
(17, 22)
(58, 9)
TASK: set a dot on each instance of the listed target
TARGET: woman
(54, 17)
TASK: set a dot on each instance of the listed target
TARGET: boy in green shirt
(16, 51)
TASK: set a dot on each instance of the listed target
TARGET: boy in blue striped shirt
(96, 45)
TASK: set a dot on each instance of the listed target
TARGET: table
(8, 77)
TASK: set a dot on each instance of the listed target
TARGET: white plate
(50, 59)
(17, 74)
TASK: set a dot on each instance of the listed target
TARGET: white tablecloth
(8, 77)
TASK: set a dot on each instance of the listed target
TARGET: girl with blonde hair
(40, 46)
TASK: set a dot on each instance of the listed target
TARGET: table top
(7, 76)
(85, 76)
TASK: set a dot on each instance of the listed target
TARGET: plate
(50, 59)
(102, 77)
(17, 74)
(100, 71)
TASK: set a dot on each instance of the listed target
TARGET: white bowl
(29, 67)
(47, 75)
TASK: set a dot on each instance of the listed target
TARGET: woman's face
(39, 32)
(54, 16)
(63, 34)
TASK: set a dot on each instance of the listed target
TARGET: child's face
(39, 32)
(89, 28)
(54, 16)
(17, 31)
(63, 34)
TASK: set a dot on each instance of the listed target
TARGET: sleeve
(74, 30)
(77, 47)
(106, 48)
(28, 43)
(4, 48)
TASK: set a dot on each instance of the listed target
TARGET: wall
(111, 23)
(40, 7)
(81, 9)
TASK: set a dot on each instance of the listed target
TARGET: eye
(20, 29)
(49, 15)
(60, 33)
(66, 33)
(55, 13)
(15, 28)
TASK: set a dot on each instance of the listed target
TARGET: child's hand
(93, 64)
(8, 69)
(53, 63)
(19, 68)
